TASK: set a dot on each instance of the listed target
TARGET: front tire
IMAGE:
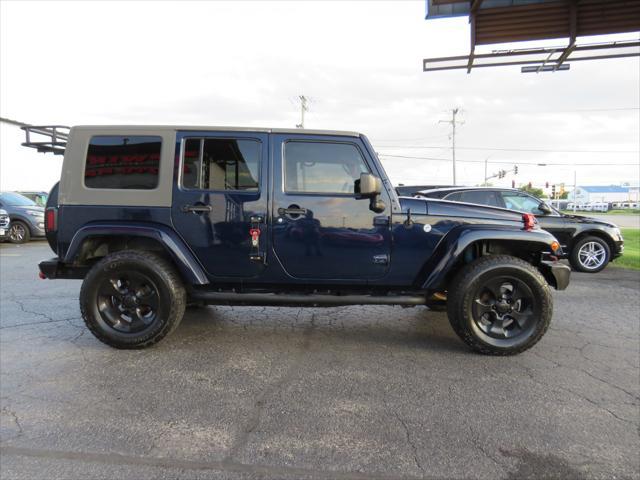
(19, 232)
(132, 299)
(499, 305)
(590, 255)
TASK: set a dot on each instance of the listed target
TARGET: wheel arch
(464, 244)
(593, 233)
(92, 242)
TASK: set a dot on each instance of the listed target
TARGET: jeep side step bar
(298, 299)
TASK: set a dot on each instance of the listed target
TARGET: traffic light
(515, 169)
(513, 184)
(546, 185)
(553, 191)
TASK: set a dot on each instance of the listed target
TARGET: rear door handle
(197, 208)
(292, 211)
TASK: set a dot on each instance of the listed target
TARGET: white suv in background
(4, 225)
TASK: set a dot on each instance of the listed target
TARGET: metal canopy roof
(503, 21)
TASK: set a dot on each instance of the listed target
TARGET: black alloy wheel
(128, 301)
(499, 305)
(132, 299)
(504, 307)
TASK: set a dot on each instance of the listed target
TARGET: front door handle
(292, 210)
(196, 208)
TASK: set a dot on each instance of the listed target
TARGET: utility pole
(486, 178)
(453, 123)
(575, 185)
(303, 108)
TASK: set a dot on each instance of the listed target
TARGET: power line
(503, 149)
(509, 162)
(577, 110)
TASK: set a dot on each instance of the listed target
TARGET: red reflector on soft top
(529, 220)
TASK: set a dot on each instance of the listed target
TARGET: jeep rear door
(320, 230)
(218, 199)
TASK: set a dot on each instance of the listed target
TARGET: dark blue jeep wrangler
(155, 218)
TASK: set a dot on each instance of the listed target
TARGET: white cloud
(361, 62)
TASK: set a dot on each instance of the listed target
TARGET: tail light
(529, 220)
(50, 219)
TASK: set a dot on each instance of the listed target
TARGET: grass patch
(631, 256)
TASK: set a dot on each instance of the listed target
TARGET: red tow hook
(42, 276)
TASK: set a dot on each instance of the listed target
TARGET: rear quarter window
(123, 162)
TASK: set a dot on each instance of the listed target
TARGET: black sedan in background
(588, 243)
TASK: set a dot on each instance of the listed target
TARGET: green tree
(536, 192)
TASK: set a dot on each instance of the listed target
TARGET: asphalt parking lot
(345, 393)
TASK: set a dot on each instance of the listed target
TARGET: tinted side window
(123, 162)
(480, 197)
(454, 197)
(322, 167)
(521, 203)
(221, 164)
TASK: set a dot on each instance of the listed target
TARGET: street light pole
(575, 185)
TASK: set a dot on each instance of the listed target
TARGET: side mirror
(369, 186)
(545, 209)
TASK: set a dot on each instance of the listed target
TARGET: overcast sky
(244, 63)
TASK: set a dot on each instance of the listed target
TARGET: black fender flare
(452, 246)
(182, 256)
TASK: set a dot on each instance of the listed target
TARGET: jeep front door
(320, 229)
(218, 199)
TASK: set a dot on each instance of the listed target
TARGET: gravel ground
(344, 393)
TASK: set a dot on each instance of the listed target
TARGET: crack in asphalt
(407, 433)
(295, 364)
(556, 364)
(474, 435)
(16, 420)
(534, 379)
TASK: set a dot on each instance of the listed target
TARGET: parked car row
(24, 218)
(601, 206)
(589, 244)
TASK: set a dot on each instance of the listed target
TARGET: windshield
(16, 200)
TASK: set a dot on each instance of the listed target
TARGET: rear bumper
(557, 274)
(53, 269)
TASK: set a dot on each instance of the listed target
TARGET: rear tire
(499, 305)
(132, 299)
(19, 232)
(590, 255)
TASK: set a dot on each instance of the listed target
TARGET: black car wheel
(19, 232)
(132, 299)
(590, 254)
(499, 305)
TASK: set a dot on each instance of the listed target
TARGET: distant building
(607, 193)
